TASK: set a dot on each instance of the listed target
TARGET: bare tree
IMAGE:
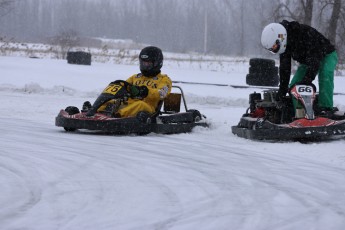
(298, 10)
(333, 22)
(340, 32)
(66, 40)
(307, 8)
(5, 7)
(240, 23)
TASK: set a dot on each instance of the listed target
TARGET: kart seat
(172, 103)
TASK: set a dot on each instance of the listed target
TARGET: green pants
(326, 79)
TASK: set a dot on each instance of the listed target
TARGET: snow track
(58, 180)
(208, 179)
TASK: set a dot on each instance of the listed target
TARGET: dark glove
(138, 91)
(281, 94)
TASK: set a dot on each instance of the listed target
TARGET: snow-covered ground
(208, 179)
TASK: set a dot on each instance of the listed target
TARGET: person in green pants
(315, 54)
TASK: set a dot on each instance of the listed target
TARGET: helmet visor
(146, 65)
(275, 48)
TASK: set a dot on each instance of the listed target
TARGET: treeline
(230, 27)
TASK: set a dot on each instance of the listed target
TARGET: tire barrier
(79, 58)
(262, 72)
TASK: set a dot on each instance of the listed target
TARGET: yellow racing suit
(158, 87)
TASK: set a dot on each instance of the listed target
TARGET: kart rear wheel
(71, 110)
(196, 115)
(144, 117)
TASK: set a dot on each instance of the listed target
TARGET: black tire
(262, 63)
(196, 115)
(71, 110)
(79, 58)
(262, 80)
(259, 70)
(144, 117)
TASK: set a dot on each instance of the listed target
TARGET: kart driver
(149, 86)
(314, 52)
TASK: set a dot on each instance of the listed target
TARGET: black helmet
(151, 61)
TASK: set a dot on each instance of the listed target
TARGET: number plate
(304, 89)
(112, 89)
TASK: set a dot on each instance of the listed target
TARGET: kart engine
(267, 107)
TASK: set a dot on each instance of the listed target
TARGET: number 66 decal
(304, 89)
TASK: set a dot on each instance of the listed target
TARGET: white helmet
(274, 37)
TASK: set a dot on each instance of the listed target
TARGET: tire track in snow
(187, 181)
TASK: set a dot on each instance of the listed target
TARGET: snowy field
(206, 180)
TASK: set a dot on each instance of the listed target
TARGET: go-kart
(271, 119)
(168, 119)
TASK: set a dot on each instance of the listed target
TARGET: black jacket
(305, 45)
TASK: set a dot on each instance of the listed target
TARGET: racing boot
(327, 112)
(86, 106)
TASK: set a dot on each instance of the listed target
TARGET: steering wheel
(105, 97)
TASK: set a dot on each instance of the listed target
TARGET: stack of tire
(262, 72)
(79, 58)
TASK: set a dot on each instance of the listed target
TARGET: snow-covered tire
(268, 71)
(262, 72)
(79, 57)
(262, 63)
(262, 79)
